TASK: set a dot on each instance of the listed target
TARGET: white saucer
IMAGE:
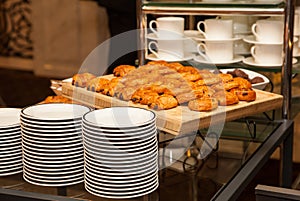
(153, 36)
(217, 40)
(252, 39)
(185, 58)
(200, 59)
(250, 61)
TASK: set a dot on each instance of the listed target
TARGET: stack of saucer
(10, 142)
(52, 144)
(121, 152)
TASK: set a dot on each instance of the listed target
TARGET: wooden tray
(181, 119)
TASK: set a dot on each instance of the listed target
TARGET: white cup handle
(151, 26)
(152, 50)
(253, 29)
(200, 48)
(199, 28)
(253, 52)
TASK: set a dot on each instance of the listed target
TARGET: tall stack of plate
(10, 142)
(120, 152)
(52, 144)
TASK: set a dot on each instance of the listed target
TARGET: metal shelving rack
(267, 8)
(192, 8)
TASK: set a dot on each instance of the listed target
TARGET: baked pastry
(244, 94)
(226, 98)
(57, 99)
(164, 102)
(122, 70)
(97, 84)
(81, 79)
(203, 104)
(243, 83)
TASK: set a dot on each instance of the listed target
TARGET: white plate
(51, 151)
(51, 135)
(115, 149)
(185, 58)
(250, 61)
(251, 39)
(125, 184)
(49, 123)
(117, 131)
(50, 127)
(55, 111)
(200, 59)
(52, 177)
(153, 36)
(51, 169)
(123, 195)
(11, 171)
(50, 140)
(251, 75)
(118, 188)
(78, 170)
(50, 183)
(9, 117)
(60, 132)
(55, 143)
(120, 117)
(52, 145)
(217, 40)
(197, 36)
(119, 136)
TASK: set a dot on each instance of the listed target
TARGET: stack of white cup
(168, 38)
(267, 42)
(217, 44)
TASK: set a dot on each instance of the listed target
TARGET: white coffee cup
(167, 49)
(297, 23)
(216, 51)
(267, 54)
(168, 27)
(216, 29)
(268, 31)
(240, 23)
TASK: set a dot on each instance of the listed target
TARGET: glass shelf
(214, 7)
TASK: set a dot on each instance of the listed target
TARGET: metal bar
(235, 187)
(141, 28)
(286, 71)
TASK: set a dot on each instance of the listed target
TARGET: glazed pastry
(81, 80)
(243, 83)
(164, 102)
(97, 84)
(244, 94)
(203, 104)
(122, 70)
(226, 98)
(225, 77)
(231, 85)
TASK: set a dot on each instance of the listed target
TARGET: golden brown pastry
(97, 84)
(203, 104)
(243, 83)
(244, 94)
(226, 98)
(81, 80)
(164, 102)
(225, 77)
(122, 70)
(57, 99)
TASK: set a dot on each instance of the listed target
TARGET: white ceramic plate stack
(52, 144)
(120, 152)
(10, 142)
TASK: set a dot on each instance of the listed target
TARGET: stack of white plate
(52, 144)
(10, 142)
(120, 152)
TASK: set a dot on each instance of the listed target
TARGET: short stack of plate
(10, 142)
(52, 144)
(120, 152)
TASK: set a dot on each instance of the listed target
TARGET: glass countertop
(186, 178)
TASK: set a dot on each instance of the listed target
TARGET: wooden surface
(181, 119)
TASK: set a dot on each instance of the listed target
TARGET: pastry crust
(122, 70)
(203, 104)
(164, 102)
(81, 80)
(244, 94)
(97, 84)
(226, 98)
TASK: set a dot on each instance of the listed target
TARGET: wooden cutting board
(181, 119)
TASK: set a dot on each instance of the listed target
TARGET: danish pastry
(226, 98)
(203, 104)
(244, 94)
(81, 79)
(122, 70)
(164, 102)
